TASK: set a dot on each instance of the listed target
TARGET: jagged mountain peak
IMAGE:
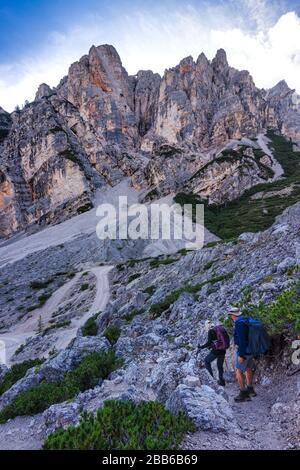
(281, 88)
(101, 125)
(43, 91)
(220, 60)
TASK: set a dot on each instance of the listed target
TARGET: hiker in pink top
(217, 341)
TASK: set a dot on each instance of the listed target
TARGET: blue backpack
(258, 339)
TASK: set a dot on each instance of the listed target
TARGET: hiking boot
(242, 396)
(251, 391)
(222, 382)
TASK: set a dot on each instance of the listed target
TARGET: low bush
(123, 425)
(130, 316)
(280, 316)
(149, 290)
(90, 327)
(17, 372)
(134, 276)
(61, 324)
(86, 375)
(84, 286)
(41, 284)
(155, 263)
(112, 333)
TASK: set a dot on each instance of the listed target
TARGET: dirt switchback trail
(19, 333)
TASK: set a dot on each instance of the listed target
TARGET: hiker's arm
(208, 342)
(242, 336)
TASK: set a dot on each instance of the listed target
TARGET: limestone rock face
(101, 125)
(283, 110)
(100, 88)
(226, 177)
(43, 91)
(5, 124)
(208, 103)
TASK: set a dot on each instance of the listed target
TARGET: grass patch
(86, 375)
(17, 372)
(124, 425)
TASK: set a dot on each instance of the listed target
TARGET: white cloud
(270, 51)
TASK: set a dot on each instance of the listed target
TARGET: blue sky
(39, 39)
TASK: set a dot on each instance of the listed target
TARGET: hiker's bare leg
(249, 377)
(240, 378)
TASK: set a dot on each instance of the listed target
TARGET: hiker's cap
(235, 311)
(208, 325)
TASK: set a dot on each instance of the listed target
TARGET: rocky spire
(220, 63)
(43, 91)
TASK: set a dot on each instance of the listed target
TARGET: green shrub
(41, 284)
(280, 316)
(246, 214)
(90, 327)
(158, 308)
(134, 276)
(86, 375)
(155, 263)
(130, 316)
(61, 324)
(291, 269)
(112, 333)
(84, 286)
(16, 373)
(222, 277)
(43, 299)
(208, 265)
(149, 290)
(123, 425)
(20, 349)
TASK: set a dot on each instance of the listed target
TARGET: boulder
(209, 410)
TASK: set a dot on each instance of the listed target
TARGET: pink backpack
(223, 341)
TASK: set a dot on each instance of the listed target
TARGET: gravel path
(20, 332)
(258, 430)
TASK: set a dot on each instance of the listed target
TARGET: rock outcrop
(101, 125)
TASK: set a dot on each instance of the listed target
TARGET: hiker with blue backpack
(251, 341)
(217, 341)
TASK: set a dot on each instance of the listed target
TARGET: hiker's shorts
(247, 364)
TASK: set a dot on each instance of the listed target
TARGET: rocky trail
(258, 429)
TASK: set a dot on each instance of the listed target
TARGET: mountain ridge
(101, 125)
